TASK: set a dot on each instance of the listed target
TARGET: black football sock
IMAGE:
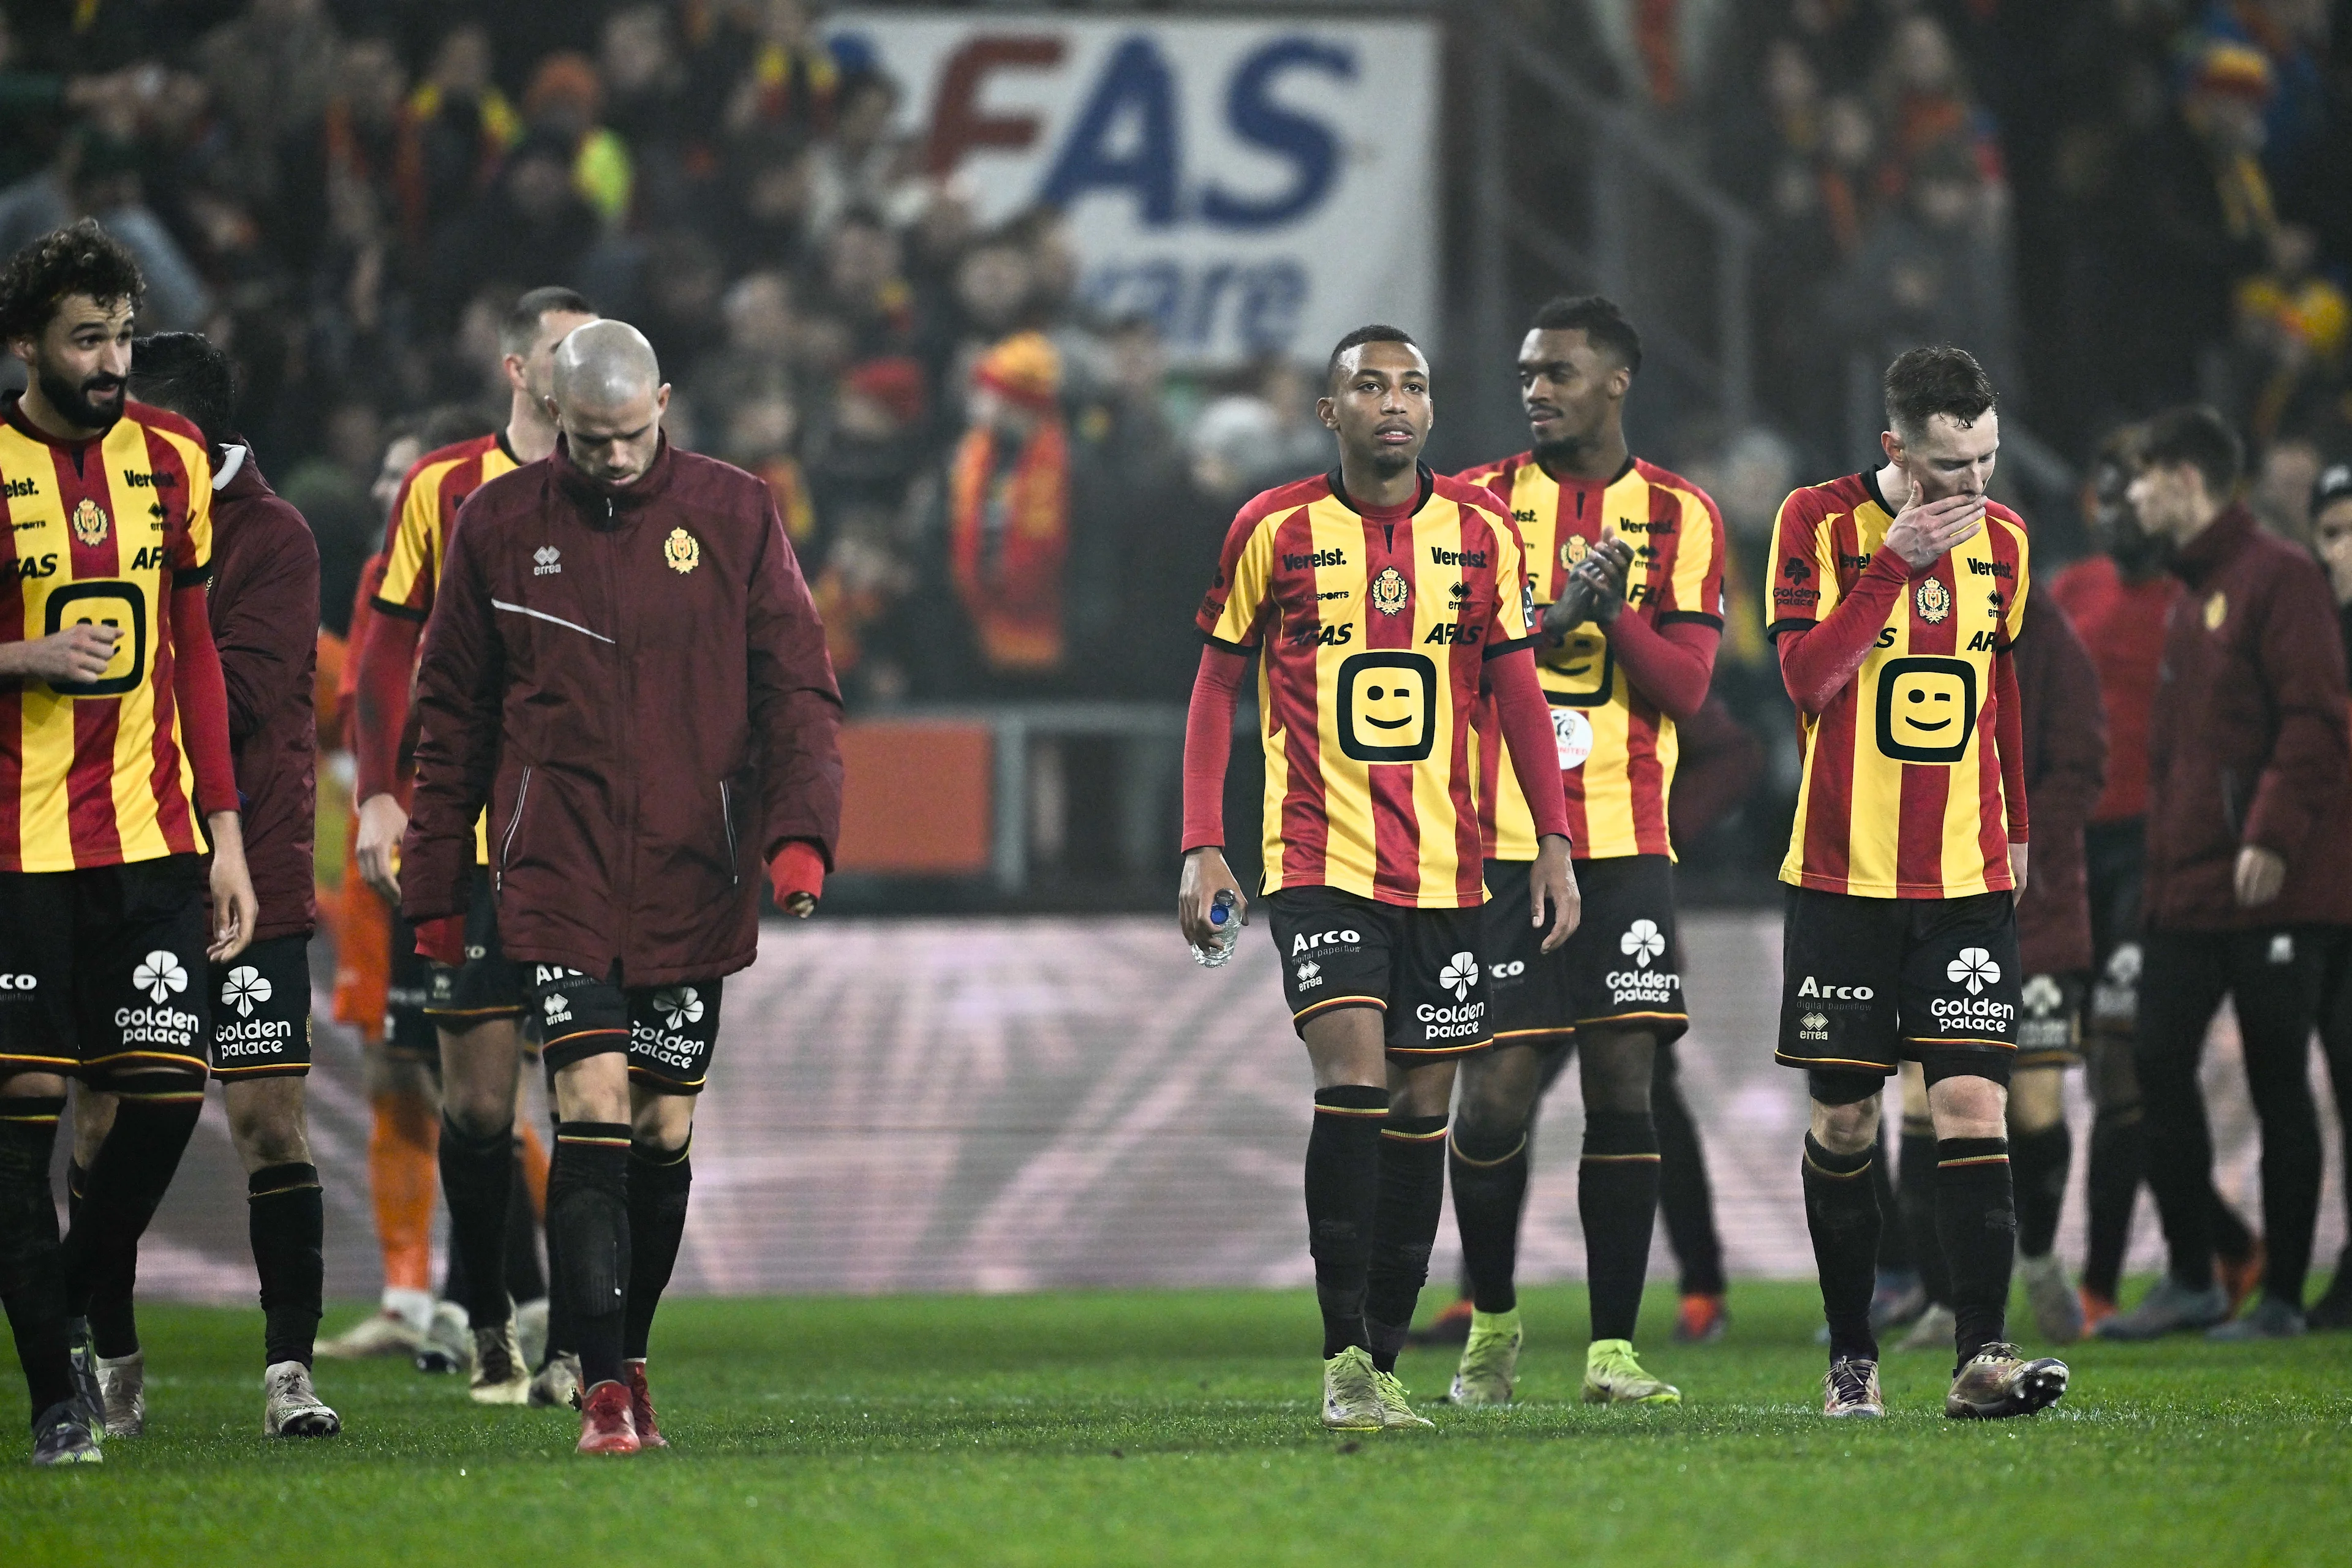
(2234, 1240)
(588, 1211)
(127, 1180)
(1490, 1187)
(1893, 1236)
(2118, 1153)
(1915, 1189)
(559, 1339)
(1404, 1227)
(1343, 1179)
(1976, 1220)
(2040, 1162)
(286, 1214)
(1841, 1212)
(659, 1181)
(1684, 1198)
(32, 1263)
(75, 1177)
(525, 1282)
(476, 1180)
(1617, 1200)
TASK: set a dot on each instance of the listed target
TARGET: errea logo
(550, 558)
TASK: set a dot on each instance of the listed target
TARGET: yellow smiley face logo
(118, 605)
(1584, 663)
(1926, 708)
(1388, 707)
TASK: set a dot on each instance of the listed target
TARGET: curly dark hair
(81, 258)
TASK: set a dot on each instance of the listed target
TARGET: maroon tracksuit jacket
(265, 615)
(2249, 743)
(2066, 770)
(634, 680)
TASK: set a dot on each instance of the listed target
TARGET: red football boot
(606, 1426)
(641, 1406)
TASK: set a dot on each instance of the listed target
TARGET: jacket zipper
(506, 845)
(727, 815)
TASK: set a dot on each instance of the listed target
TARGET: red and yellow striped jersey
(100, 531)
(1616, 750)
(418, 541)
(1902, 794)
(1374, 626)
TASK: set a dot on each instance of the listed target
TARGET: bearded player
(1897, 595)
(1627, 560)
(1378, 596)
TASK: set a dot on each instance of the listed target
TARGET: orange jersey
(1902, 793)
(1374, 629)
(1616, 750)
(100, 531)
(435, 486)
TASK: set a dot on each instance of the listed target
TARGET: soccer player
(2065, 740)
(1896, 597)
(114, 770)
(624, 665)
(1627, 560)
(265, 613)
(476, 1002)
(2331, 529)
(2248, 861)
(1378, 596)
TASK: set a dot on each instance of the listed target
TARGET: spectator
(1009, 509)
(566, 102)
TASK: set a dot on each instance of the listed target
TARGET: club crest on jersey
(1391, 591)
(1573, 549)
(682, 551)
(1934, 600)
(90, 523)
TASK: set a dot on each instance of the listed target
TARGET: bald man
(624, 666)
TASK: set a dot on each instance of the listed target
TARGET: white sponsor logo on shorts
(1809, 986)
(1975, 968)
(19, 981)
(1310, 975)
(679, 1005)
(2283, 948)
(680, 1051)
(157, 1026)
(1973, 1010)
(1642, 984)
(1643, 941)
(558, 1008)
(159, 975)
(1460, 974)
(2042, 997)
(1813, 1027)
(1510, 971)
(1452, 1023)
(246, 987)
(260, 1037)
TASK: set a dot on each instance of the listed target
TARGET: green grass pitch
(1178, 1427)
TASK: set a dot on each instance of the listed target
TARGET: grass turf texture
(1177, 1427)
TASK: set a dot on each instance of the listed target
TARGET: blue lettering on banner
(1257, 118)
(1136, 86)
(1186, 304)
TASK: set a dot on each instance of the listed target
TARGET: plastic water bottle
(1224, 916)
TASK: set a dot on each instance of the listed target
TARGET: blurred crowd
(350, 195)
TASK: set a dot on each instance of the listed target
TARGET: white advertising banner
(1253, 186)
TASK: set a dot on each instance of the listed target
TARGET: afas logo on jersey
(30, 568)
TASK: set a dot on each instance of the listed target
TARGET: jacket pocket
(726, 820)
(514, 824)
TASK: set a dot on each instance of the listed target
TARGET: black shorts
(103, 972)
(407, 1032)
(2050, 1020)
(261, 1011)
(1419, 966)
(669, 1031)
(486, 986)
(1619, 967)
(2116, 855)
(1867, 984)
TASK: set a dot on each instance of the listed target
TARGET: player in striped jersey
(1896, 597)
(1628, 560)
(1378, 596)
(477, 1006)
(114, 765)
